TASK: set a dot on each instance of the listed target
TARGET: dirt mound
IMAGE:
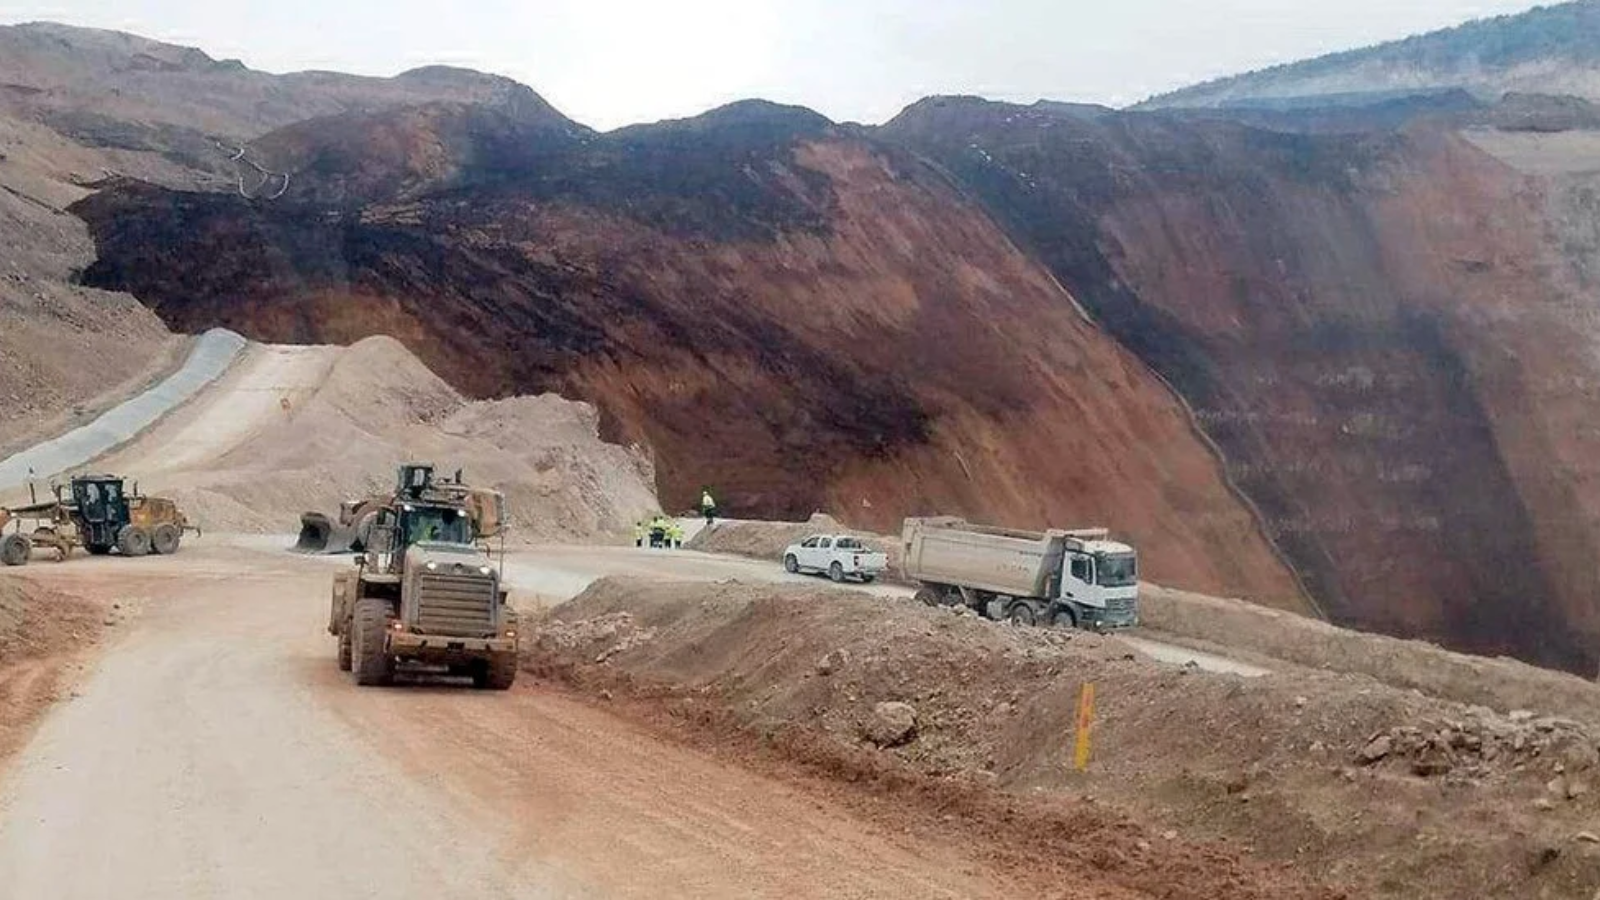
(1242, 627)
(42, 632)
(296, 429)
(1281, 769)
(767, 540)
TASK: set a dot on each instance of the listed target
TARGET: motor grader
(424, 595)
(99, 513)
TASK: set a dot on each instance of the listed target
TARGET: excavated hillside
(1374, 327)
(78, 105)
(1373, 312)
(1550, 49)
(797, 315)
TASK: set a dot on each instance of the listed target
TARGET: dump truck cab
(1100, 581)
(425, 594)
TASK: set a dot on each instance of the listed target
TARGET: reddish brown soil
(44, 638)
(1373, 327)
(1257, 772)
(845, 333)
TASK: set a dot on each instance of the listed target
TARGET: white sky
(612, 62)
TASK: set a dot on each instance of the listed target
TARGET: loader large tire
(165, 539)
(133, 541)
(373, 664)
(497, 673)
(15, 550)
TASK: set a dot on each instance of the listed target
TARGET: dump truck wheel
(15, 550)
(1021, 614)
(373, 665)
(346, 656)
(133, 541)
(927, 597)
(498, 673)
(165, 539)
(1064, 619)
(836, 572)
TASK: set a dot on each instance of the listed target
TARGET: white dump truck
(1065, 578)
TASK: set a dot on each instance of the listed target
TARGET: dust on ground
(1357, 785)
(293, 429)
(45, 636)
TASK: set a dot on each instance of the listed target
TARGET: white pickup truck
(840, 556)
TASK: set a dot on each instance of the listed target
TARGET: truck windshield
(1118, 570)
(436, 525)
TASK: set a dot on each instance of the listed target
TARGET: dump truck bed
(1000, 560)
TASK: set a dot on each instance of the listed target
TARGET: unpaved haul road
(216, 752)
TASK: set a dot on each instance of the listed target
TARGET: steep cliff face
(1369, 325)
(801, 317)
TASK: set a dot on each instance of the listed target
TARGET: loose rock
(892, 724)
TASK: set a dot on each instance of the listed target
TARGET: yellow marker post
(1085, 724)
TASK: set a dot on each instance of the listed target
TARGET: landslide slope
(1377, 329)
(1548, 50)
(77, 105)
(793, 312)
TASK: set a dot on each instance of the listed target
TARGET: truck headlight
(433, 567)
(485, 570)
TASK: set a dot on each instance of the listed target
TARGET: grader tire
(133, 540)
(165, 539)
(370, 657)
(15, 550)
(346, 654)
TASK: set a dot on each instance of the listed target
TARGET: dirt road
(216, 752)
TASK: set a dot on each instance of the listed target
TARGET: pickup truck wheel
(868, 579)
(836, 572)
(1064, 619)
(373, 665)
(15, 550)
(790, 564)
(1021, 615)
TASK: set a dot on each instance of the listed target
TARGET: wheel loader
(100, 513)
(351, 529)
(424, 595)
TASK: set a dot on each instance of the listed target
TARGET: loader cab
(423, 523)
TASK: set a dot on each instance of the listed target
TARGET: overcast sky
(612, 62)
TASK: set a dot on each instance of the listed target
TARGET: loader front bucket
(319, 534)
